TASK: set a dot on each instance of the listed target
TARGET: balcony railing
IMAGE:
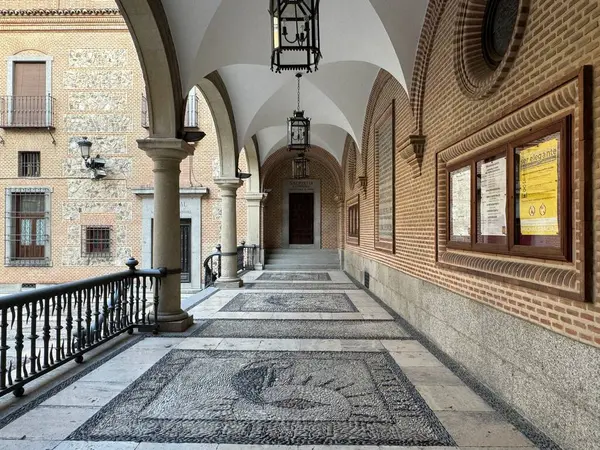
(65, 321)
(26, 111)
(191, 112)
(145, 116)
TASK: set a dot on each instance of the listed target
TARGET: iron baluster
(88, 317)
(69, 327)
(144, 300)
(58, 327)
(97, 329)
(131, 300)
(46, 331)
(79, 320)
(3, 347)
(33, 337)
(155, 306)
(19, 344)
(137, 299)
(118, 305)
(105, 312)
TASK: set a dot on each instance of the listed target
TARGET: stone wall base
(551, 380)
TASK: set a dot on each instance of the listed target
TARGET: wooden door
(301, 218)
(186, 250)
(29, 94)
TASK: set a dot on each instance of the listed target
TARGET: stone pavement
(315, 364)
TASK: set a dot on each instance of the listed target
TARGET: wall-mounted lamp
(96, 164)
(242, 175)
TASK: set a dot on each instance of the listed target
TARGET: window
(515, 199)
(96, 241)
(29, 164)
(499, 22)
(353, 222)
(28, 103)
(27, 226)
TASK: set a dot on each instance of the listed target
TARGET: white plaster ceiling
(358, 37)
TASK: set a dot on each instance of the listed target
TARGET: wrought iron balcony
(191, 112)
(26, 111)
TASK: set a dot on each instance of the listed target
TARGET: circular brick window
(489, 34)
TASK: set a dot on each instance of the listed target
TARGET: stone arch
(350, 166)
(435, 10)
(152, 38)
(214, 90)
(316, 153)
(253, 163)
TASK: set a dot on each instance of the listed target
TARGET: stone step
(332, 258)
(294, 251)
(306, 267)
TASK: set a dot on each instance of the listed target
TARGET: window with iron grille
(27, 225)
(96, 240)
(29, 164)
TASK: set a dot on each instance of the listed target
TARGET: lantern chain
(298, 75)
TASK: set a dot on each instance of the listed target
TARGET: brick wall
(555, 44)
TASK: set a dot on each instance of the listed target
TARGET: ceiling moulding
(61, 12)
(412, 151)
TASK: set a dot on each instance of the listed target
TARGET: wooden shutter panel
(29, 79)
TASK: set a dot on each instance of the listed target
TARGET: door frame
(301, 186)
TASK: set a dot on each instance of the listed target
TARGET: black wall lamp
(97, 164)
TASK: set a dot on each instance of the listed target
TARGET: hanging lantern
(295, 43)
(298, 127)
(300, 167)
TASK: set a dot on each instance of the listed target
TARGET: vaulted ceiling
(358, 38)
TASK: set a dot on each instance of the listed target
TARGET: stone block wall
(97, 85)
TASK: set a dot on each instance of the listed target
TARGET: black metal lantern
(298, 127)
(300, 167)
(295, 42)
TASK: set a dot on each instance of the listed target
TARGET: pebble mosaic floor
(292, 370)
(302, 329)
(294, 276)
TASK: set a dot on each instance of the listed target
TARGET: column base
(258, 266)
(225, 283)
(175, 326)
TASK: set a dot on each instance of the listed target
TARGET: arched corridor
(415, 265)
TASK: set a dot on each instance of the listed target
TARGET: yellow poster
(538, 172)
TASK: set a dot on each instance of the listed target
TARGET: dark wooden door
(186, 250)
(302, 219)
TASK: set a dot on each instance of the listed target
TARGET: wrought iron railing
(212, 267)
(26, 111)
(72, 319)
(245, 256)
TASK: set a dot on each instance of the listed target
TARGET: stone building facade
(94, 79)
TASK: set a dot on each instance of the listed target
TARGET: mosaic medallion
(295, 276)
(301, 329)
(286, 302)
(285, 398)
(303, 286)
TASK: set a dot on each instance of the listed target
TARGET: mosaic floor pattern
(302, 286)
(302, 329)
(294, 276)
(289, 398)
(290, 302)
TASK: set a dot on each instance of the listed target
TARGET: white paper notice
(460, 201)
(492, 206)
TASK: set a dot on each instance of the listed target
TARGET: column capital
(166, 148)
(255, 196)
(228, 184)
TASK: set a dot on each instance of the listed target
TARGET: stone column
(339, 200)
(229, 277)
(167, 154)
(254, 201)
